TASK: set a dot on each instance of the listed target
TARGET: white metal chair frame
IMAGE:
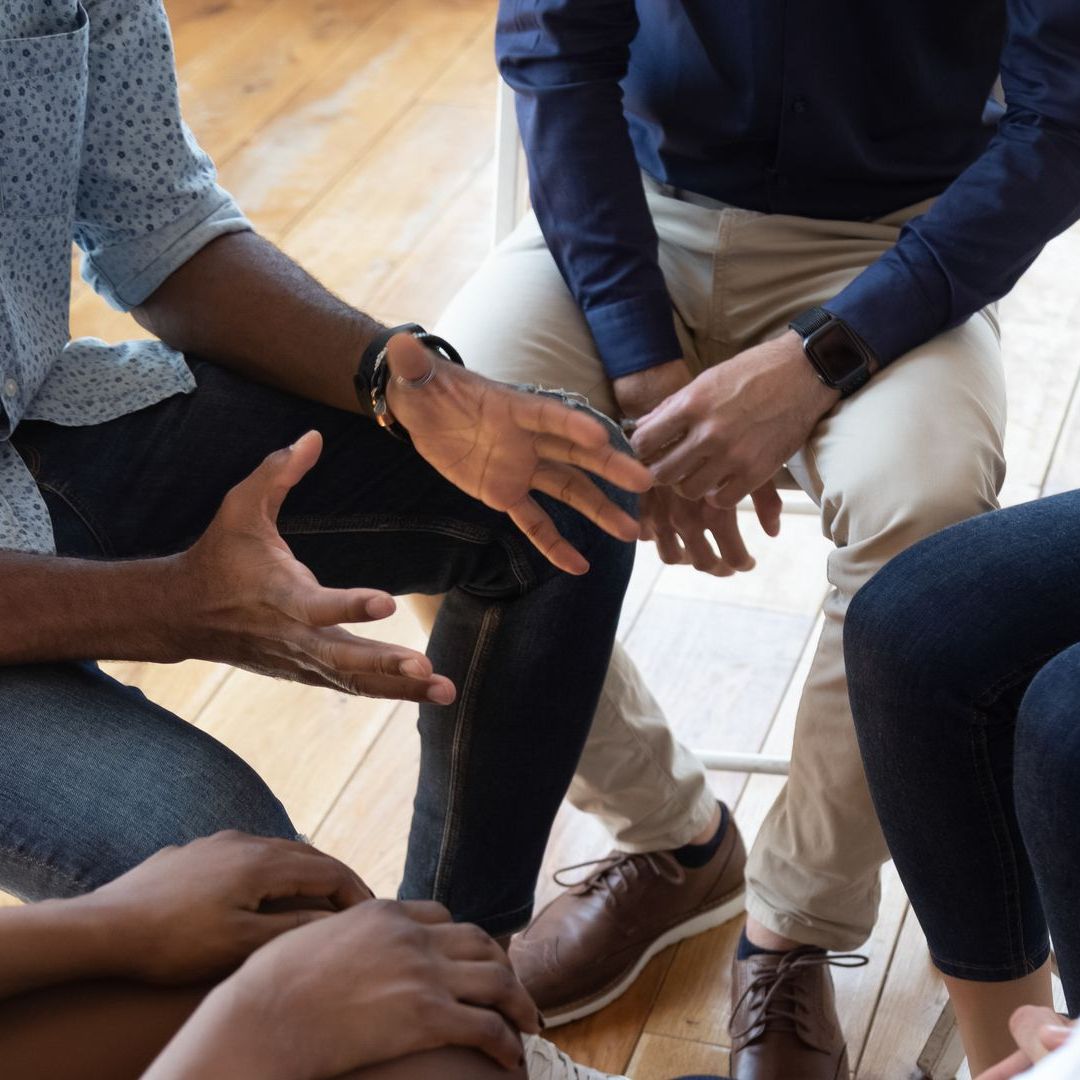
(943, 1053)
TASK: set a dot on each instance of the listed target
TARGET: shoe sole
(731, 906)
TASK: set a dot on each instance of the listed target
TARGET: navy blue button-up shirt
(844, 109)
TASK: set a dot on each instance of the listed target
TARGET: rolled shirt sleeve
(988, 226)
(148, 198)
(565, 59)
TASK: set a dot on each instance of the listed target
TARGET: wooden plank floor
(358, 135)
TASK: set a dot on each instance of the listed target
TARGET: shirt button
(11, 388)
(799, 104)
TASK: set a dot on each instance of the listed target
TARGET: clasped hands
(712, 440)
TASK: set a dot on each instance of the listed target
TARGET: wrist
(818, 395)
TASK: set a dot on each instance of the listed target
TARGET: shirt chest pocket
(42, 106)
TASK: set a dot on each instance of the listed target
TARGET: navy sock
(747, 949)
(695, 856)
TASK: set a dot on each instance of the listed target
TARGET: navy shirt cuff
(893, 307)
(635, 334)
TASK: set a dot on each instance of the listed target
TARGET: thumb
(768, 504)
(408, 359)
(281, 471)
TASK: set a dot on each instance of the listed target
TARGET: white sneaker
(545, 1061)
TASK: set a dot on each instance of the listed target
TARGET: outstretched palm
(498, 444)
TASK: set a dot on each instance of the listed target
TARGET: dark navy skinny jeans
(963, 659)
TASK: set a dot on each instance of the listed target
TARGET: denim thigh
(94, 778)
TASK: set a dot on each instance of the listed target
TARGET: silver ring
(416, 384)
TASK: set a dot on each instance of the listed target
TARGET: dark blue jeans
(963, 661)
(94, 778)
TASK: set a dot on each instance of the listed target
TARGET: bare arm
(70, 609)
(244, 304)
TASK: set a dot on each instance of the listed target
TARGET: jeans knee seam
(35, 863)
(458, 758)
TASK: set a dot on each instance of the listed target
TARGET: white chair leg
(507, 165)
(745, 763)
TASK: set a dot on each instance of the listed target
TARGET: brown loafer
(783, 1023)
(589, 944)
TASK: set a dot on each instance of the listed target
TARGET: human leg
(1045, 781)
(941, 645)
(95, 778)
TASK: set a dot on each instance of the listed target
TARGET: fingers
(549, 416)
(494, 986)
(540, 529)
(466, 941)
(373, 668)
(1013, 1065)
(482, 1029)
(665, 427)
(767, 506)
(574, 488)
(303, 871)
(429, 912)
(408, 359)
(724, 525)
(318, 606)
(265, 489)
(606, 462)
(1026, 1025)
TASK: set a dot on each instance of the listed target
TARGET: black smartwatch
(373, 372)
(841, 359)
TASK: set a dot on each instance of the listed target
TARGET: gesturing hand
(243, 599)
(192, 913)
(497, 443)
(729, 431)
(376, 983)
(679, 527)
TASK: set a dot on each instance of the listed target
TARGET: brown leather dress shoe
(588, 945)
(784, 1024)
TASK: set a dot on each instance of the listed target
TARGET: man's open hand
(497, 444)
(242, 598)
(728, 432)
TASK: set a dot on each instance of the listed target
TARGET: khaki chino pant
(917, 449)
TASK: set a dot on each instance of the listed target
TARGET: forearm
(53, 942)
(244, 304)
(222, 1038)
(75, 609)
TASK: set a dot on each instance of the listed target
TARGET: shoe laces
(774, 993)
(621, 866)
(545, 1061)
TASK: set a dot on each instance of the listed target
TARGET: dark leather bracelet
(373, 372)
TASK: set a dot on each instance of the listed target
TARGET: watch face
(836, 355)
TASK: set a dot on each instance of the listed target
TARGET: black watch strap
(810, 326)
(373, 372)
(809, 321)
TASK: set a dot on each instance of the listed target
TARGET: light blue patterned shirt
(92, 149)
